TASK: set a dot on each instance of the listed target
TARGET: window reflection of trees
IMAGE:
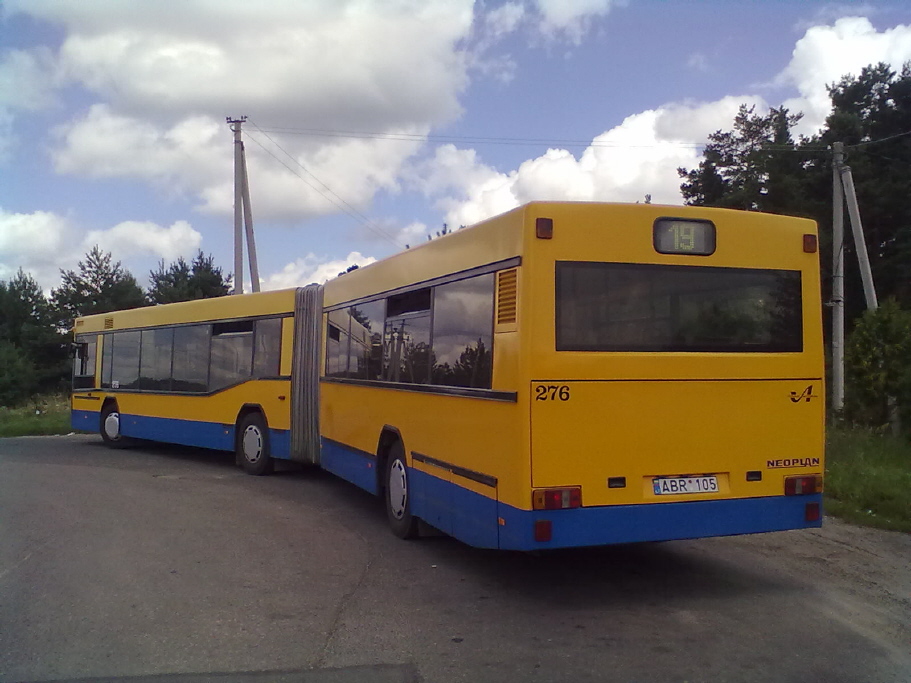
(463, 333)
(404, 348)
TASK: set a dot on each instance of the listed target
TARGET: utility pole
(838, 278)
(243, 214)
(842, 189)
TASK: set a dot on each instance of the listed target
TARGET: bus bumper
(609, 525)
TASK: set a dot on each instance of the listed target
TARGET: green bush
(17, 375)
(878, 367)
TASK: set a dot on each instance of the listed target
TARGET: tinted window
(155, 371)
(644, 307)
(367, 340)
(125, 365)
(337, 344)
(84, 362)
(463, 332)
(268, 347)
(107, 359)
(231, 359)
(406, 350)
(191, 358)
(410, 302)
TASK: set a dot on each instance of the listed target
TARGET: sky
(372, 123)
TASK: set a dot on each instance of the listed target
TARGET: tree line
(35, 329)
(757, 165)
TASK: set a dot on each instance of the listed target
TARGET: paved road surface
(162, 562)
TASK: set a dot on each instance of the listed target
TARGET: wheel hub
(398, 489)
(252, 444)
(112, 426)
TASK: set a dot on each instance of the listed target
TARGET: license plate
(673, 486)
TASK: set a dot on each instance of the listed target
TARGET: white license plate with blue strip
(676, 486)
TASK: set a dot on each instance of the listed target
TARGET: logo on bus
(792, 462)
(804, 395)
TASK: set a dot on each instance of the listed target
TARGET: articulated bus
(565, 374)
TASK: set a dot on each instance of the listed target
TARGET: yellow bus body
(603, 429)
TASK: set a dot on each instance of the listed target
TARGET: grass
(868, 478)
(44, 415)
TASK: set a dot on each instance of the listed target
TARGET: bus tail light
(557, 499)
(798, 486)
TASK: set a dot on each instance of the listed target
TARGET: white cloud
(166, 74)
(570, 18)
(312, 268)
(413, 234)
(505, 18)
(638, 157)
(34, 242)
(27, 79)
(131, 238)
(826, 53)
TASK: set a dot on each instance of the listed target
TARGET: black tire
(252, 447)
(109, 427)
(398, 499)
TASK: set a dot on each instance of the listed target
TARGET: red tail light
(799, 486)
(557, 499)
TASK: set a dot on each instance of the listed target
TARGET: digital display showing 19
(679, 236)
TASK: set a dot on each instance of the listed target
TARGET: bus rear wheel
(253, 445)
(398, 494)
(109, 427)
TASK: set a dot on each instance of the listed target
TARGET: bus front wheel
(109, 427)
(398, 494)
(253, 445)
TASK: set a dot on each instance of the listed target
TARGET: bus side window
(366, 354)
(463, 333)
(84, 362)
(267, 349)
(190, 368)
(125, 360)
(231, 359)
(337, 343)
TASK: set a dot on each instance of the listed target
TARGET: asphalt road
(169, 564)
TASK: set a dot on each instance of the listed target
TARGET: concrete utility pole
(843, 188)
(242, 213)
(838, 279)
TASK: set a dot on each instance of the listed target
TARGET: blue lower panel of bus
(350, 464)
(84, 420)
(455, 510)
(184, 432)
(484, 522)
(655, 522)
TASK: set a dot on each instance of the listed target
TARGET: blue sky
(373, 122)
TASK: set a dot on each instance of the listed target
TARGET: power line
(874, 142)
(420, 137)
(339, 202)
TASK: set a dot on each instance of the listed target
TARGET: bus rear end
(675, 368)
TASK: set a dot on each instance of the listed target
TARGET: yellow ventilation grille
(109, 323)
(506, 296)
